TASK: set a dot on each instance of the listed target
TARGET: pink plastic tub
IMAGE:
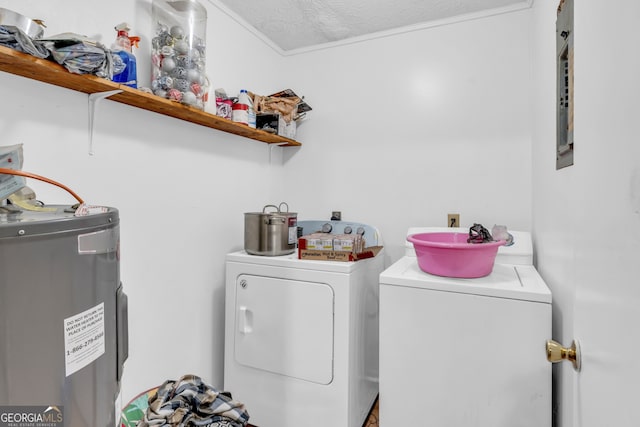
(449, 254)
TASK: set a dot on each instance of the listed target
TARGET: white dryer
(465, 352)
(301, 336)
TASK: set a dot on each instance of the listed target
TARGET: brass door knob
(557, 353)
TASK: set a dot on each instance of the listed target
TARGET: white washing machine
(301, 336)
(465, 352)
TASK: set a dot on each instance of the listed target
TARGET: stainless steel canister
(34, 28)
(271, 233)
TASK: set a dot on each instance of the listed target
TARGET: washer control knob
(348, 230)
(360, 231)
(326, 228)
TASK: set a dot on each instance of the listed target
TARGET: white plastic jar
(178, 52)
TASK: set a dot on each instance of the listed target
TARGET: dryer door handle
(245, 320)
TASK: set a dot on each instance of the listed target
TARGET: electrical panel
(564, 75)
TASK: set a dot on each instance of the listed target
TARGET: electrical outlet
(453, 220)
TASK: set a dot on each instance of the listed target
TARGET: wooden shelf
(21, 64)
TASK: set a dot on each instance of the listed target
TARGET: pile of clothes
(13, 37)
(189, 402)
(76, 53)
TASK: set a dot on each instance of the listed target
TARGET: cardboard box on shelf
(303, 107)
(274, 123)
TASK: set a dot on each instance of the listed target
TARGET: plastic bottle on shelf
(125, 68)
(239, 113)
(244, 98)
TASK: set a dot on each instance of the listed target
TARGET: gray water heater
(63, 317)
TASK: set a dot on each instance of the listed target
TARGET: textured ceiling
(299, 24)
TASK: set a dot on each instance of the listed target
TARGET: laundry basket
(136, 408)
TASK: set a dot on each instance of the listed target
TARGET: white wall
(553, 198)
(404, 130)
(181, 189)
(408, 128)
(585, 217)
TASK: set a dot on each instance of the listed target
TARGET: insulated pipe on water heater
(41, 178)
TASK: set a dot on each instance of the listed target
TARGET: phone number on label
(87, 343)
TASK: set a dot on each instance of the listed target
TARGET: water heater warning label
(83, 338)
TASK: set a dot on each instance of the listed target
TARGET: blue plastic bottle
(122, 48)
